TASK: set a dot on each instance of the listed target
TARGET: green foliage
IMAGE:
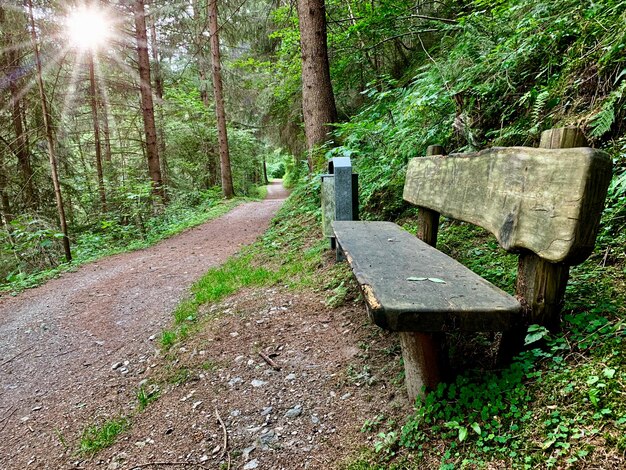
(98, 437)
(277, 257)
(146, 395)
(506, 71)
(35, 249)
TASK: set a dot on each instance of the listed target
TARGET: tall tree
(147, 104)
(200, 20)
(49, 136)
(93, 98)
(222, 136)
(12, 70)
(158, 92)
(318, 100)
(199, 43)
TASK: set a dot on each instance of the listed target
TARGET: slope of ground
(82, 353)
(59, 341)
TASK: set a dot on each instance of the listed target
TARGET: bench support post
(541, 288)
(421, 353)
(540, 285)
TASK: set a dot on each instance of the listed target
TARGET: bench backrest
(547, 201)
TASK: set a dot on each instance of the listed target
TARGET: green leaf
(436, 280)
(476, 428)
(609, 372)
(535, 333)
(416, 278)
(462, 433)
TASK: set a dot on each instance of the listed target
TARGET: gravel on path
(60, 342)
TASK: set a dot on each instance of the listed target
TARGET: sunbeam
(88, 28)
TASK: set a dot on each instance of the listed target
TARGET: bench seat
(400, 277)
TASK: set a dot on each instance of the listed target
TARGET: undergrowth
(109, 239)
(559, 404)
(284, 255)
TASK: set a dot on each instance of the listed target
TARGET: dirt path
(58, 342)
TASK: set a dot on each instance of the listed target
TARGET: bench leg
(421, 353)
(339, 254)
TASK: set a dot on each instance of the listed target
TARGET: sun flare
(88, 28)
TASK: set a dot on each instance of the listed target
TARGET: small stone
(294, 412)
(196, 404)
(234, 381)
(346, 396)
(315, 419)
(235, 413)
(239, 359)
(117, 365)
(268, 438)
(234, 334)
(251, 465)
(216, 449)
(113, 466)
(247, 451)
(266, 411)
(204, 458)
(36, 408)
(152, 338)
(258, 383)
(291, 377)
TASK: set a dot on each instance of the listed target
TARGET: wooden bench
(542, 203)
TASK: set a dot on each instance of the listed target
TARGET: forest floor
(80, 355)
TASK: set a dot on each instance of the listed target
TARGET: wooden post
(541, 284)
(422, 352)
(427, 220)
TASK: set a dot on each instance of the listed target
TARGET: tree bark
(147, 105)
(5, 203)
(49, 137)
(20, 148)
(158, 90)
(203, 65)
(222, 136)
(318, 100)
(96, 131)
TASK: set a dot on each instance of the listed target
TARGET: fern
(601, 123)
(540, 103)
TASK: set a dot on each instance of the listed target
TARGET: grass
(91, 247)
(145, 396)
(285, 255)
(98, 437)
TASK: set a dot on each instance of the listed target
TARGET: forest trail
(65, 346)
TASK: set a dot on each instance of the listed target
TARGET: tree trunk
(49, 137)
(158, 90)
(20, 148)
(147, 105)
(96, 131)
(222, 136)
(202, 61)
(5, 203)
(318, 100)
(203, 66)
(106, 133)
